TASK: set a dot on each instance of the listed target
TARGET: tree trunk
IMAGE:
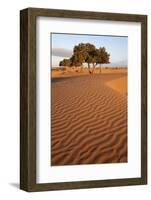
(94, 65)
(100, 69)
(89, 68)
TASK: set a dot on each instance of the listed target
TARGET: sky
(62, 46)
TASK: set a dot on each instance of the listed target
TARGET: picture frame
(28, 98)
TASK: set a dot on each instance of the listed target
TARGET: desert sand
(89, 118)
(72, 71)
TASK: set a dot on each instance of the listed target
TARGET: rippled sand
(89, 119)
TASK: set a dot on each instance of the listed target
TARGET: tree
(102, 57)
(87, 53)
(91, 59)
(65, 62)
(75, 60)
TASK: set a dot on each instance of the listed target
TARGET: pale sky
(62, 46)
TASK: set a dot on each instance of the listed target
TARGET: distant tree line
(87, 53)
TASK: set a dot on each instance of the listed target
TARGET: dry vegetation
(74, 71)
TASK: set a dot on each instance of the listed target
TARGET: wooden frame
(28, 98)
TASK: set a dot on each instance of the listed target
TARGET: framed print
(83, 99)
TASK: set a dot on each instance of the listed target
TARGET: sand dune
(119, 84)
(89, 120)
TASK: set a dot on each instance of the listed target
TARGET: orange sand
(68, 71)
(89, 119)
(119, 84)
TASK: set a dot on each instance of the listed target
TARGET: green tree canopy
(87, 53)
(65, 62)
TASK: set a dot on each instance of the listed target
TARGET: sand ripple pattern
(88, 121)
